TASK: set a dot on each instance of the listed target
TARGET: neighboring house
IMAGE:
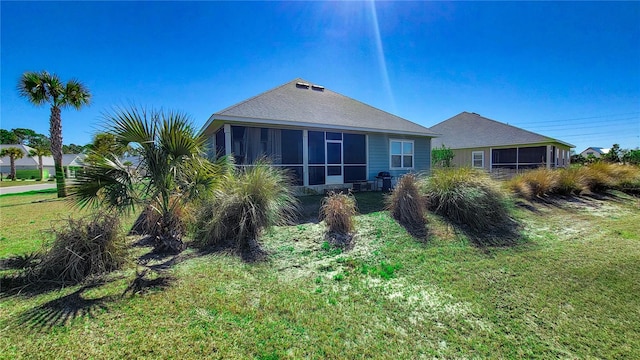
(70, 162)
(323, 137)
(483, 143)
(598, 152)
(26, 162)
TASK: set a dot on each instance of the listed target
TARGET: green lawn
(9, 183)
(569, 290)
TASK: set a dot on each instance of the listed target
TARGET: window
(477, 159)
(401, 154)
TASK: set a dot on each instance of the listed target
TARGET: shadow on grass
(586, 200)
(63, 310)
(506, 233)
(367, 202)
(18, 262)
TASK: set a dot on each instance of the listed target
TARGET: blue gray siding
(379, 154)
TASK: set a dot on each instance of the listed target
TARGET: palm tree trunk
(41, 168)
(55, 130)
(12, 161)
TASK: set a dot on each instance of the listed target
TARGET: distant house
(70, 162)
(26, 162)
(487, 144)
(322, 137)
(598, 152)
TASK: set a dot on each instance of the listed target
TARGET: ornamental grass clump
(338, 211)
(601, 176)
(471, 199)
(251, 200)
(407, 205)
(85, 247)
(535, 183)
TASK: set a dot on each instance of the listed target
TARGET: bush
(571, 181)
(407, 205)
(251, 200)
(338, 211)
(601, 176)
(83, 248)
(535, 183)
(471, 199)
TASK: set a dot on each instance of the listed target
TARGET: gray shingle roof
(316, 106)
(470, 130)
(67, 159)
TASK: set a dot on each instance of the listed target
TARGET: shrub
(338, 211)
(535, 183)
(251, 200)
(571, 181)
(407, 205)
(616, 176)
(82, 248)
(472, 199)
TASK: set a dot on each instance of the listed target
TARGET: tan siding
(463, 157)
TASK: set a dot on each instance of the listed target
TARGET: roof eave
(241, 119)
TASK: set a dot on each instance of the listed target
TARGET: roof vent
(317, 87)
(302, 85)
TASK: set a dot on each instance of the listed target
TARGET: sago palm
(172, 171)
(13, 153)
(43, 88)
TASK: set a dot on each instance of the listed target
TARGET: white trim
(227, 139)
(366, 146)
(413, 154)
(215, 117)
(473, 160)
(305, 157)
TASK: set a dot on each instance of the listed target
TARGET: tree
(13, 153)
(613, 155)
(442, 156)
(174, 172)
(73, 149)
(8, 137)
(24, 136)
(632, 157)
(43, 88)
(40, 150)
(104, 145)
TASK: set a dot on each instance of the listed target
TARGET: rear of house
(497, 147)
(323, 138)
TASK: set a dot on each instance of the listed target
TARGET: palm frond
(108, 183)
(31, 87)
(76, 94)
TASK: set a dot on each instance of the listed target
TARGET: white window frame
(402, 155)
(473, 160)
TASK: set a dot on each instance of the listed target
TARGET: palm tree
(13, 153)
(40, 152)
(40, 88)
(172, 172)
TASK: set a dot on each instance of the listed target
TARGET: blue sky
(563, 69)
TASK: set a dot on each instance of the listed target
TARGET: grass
(9, 183)
(570, 290)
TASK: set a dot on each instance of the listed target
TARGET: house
(324, 138)
(26, 162)
(70, 162)
(487, 144)
(597, 152)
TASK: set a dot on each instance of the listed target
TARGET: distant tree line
(615, 155)
(37, 141)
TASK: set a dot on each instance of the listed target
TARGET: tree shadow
(61, 311)
(143, 284)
